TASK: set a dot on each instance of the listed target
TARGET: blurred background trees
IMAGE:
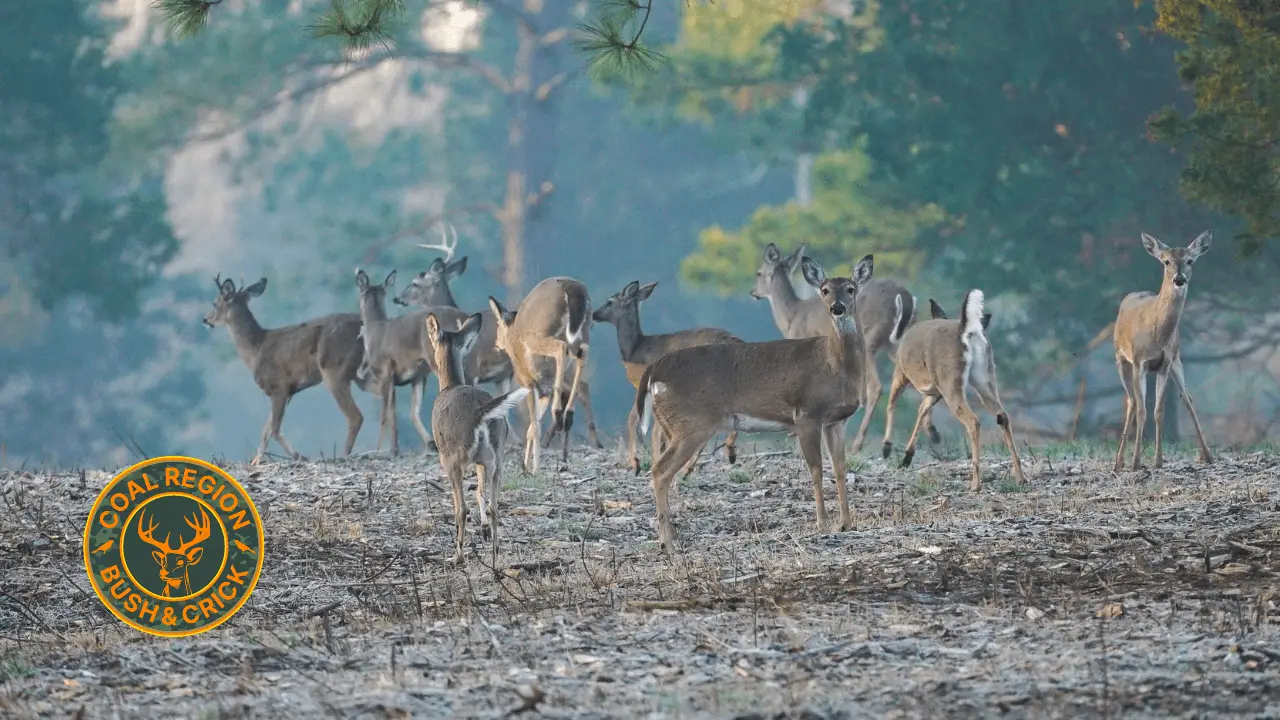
(1019, 148)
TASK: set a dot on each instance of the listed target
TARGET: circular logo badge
(173, 546)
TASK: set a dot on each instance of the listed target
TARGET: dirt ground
(1150, 594)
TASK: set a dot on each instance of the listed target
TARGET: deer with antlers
(176, 563)
(810, 386)
(287, 360)
(486, 362)
(638, 351)
(885, 310)
(1146, 340)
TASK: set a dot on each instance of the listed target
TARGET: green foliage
(847, 219)
(1232, 63)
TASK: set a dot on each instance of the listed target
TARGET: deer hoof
(907, 457)
(566, 423)
(886, 450)
(432, 447)
(732, 452)
(1205, 459)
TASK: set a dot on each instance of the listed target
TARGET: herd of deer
(690, 385)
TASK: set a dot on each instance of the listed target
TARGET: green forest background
(1019, 147)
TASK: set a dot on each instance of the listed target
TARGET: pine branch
(369, 22)
(185, 17)
(611, 44)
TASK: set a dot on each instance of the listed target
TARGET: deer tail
(498, 407)
(644, 403)
(904, 311)
(971, 316)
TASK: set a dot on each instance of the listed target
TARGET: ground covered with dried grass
(1150, 593)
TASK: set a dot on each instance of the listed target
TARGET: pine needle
(185, 18)
(612, 40)
(359, 23)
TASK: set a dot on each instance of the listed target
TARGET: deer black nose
(837, 309)
(1179, 280)
(206, 322)
(398, 301)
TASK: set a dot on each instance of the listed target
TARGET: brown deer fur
(810, 386)
(398, 352)
(942, 359)
(553, 321)
(638, 351)
(885, 310)
(287, 360)
(470, 427)
(1146, 340)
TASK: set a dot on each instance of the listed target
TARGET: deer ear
(456, 268)
(1201, 243)
(194, 555)
(1153, 246)
(862, 271)
(362, 279)
(436, 267)
(630, 290)
(771, 254)
(157, 556)
(256, 289)
(228, 288)
(499, 312)
(390, 282)
(794, 258)
(936, 311)
(645, 291)
(433, 328)
(813, 272)
(469, 332)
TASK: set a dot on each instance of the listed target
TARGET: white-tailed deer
(176, 563)
(287, 360)
(885, 310)
(942, 359)
(638, 351)
(553, 321)
(810, 386)
(1146, 340)
(487, 362)
(470, 426)
(398, 352)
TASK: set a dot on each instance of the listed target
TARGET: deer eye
(825, 291)
(1191, 262)
(1166, 262)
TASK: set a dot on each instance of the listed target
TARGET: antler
(202, 528)
(217, 280)
(445, 246)
(146, 535)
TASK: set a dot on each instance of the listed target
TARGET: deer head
(431, 286)
(620, 304)
(775, 269)
(838, 294)
(229, 300)
(176, 562)
(1177, 261)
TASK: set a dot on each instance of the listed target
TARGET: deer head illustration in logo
(175, 563)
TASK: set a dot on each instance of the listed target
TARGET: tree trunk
(553, 20)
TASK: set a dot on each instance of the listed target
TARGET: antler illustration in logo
(176, 562)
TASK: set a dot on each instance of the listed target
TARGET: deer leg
(415, 413)
(633, 419)
(578, 386)
(664, 471)
(692, 465)
(896, 386)
(459, 511)
(810, 438)
(531, 435)
(278, 405)
(1162, 383)
(584, 400)
(989, 395)
(557, 407)
(482, 482)
(266, 435)
(1125, 368)
(874, 390)
(341, 392)
(1139, 413)
(1180, 380)
(731, 446)
(926, 404)
(931, 430)
(834, 436)
(959, 406)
